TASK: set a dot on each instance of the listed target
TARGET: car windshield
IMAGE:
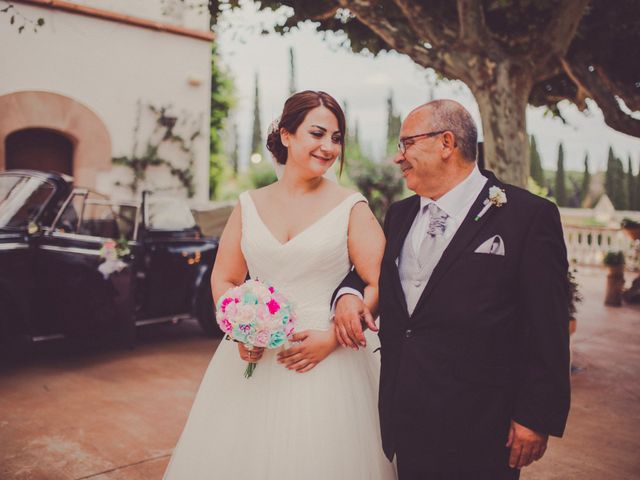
(21, 199)
(168, 214)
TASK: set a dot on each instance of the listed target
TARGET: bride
(309, 412)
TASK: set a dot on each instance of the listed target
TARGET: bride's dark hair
(295, 109)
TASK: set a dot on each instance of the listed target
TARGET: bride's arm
(230, 269)
(366, 247)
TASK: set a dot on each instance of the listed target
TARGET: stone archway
(46, 110)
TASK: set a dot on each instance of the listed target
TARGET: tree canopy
(510, 53)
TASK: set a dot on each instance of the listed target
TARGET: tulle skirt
(284, 425)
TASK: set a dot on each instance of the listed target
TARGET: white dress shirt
(456, 203)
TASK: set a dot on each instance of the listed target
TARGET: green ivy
(164, 129)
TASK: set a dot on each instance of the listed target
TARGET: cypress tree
(615, 186)
(535, 164)
(561, 189)
(631, 187)
(235, 157)
(586, 180)
(292, 73)
(637, 188)
(256, 137)
(393, 125)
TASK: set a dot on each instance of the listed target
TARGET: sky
(364, 83)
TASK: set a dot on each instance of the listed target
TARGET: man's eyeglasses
(402, 144)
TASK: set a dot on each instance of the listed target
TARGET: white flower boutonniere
(497, 197)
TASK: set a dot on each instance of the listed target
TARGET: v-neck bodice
(308, 267)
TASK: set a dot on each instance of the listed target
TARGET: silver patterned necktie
(431, 243)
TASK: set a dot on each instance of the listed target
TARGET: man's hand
(526, 445)
(350, 313)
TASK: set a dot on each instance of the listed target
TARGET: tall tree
(393, 125)
(292, 72)
(221, 102)
(235, 155)
(614, 181)
(637, 188)
(631, 186)
(508, 52)
(586, 180)
(256, 136)
(535, 171)
(560, 184)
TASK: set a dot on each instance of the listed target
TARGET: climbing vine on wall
(164, 133)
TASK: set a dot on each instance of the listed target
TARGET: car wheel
(205, 313)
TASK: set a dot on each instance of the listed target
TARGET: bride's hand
(252, 356)
(314, 346)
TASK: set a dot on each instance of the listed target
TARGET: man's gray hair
(450, 115)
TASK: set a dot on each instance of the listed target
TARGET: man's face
(421, 163)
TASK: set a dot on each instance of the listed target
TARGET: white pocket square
(493, 246)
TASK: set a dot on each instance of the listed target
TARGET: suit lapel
(463, 237)
(407, 216)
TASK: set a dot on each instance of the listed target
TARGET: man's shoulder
(401, 205)
(525, 199)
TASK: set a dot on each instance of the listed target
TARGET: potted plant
(575, 297)
(614, 260)
(631, 228)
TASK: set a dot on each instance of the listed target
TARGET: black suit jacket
(486, 343)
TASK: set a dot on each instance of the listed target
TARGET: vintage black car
(75, 264)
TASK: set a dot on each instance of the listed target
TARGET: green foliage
(380, 183)
(256, 136)
(394, 123)
(537, 189)
(586, 180)
(535, 164)
(615, 186)
(292, 73)
(17, 19)
(631, 187)
(163, 133)
(575, 296)
(222, 100)
(262, 174)
(613, 258)
(560, 183)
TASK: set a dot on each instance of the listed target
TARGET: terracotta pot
(633, 232)
(573, 324)
(615, 284)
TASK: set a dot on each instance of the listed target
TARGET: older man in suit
(473, 312)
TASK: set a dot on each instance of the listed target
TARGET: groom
(473, 312)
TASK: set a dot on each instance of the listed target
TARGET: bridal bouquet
(256, 315)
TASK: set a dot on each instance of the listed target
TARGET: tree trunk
(502, 94)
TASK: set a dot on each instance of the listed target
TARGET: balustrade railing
(589, 245)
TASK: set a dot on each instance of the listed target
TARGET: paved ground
(116, 414)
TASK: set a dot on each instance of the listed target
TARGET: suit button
(417, 283)
(408, 333)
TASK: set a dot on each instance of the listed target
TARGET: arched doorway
(38, 112)
(39, 149)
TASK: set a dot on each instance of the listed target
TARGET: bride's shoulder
(342, 193)
(259, 195)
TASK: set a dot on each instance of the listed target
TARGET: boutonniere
(497, 197)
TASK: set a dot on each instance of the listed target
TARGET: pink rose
(262, 338)
(273, 306)
(226, 325)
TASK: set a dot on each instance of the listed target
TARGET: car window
(168, 214)
(22, 199)
(96, 217)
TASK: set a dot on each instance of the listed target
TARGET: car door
(172, 255)
(77, 296)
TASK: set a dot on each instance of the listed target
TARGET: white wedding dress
(280, 424)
